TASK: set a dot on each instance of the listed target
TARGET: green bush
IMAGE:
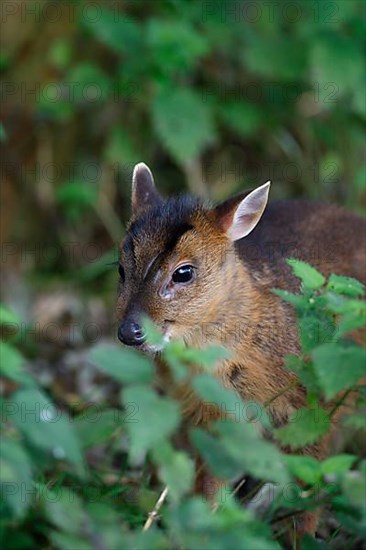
(58, 491)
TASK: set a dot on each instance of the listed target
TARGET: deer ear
(238, 216)
(144, 192)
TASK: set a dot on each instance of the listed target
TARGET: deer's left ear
(238, 216)
(144, 192)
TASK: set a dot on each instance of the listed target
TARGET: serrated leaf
(346, 286)
(11, 365)
(353, 485)
(176, 470)
(243, 450)
(215, 454)
(207, 357)
(156, 418)
(304, 427)
(127, 366)
(97, 428)
(314, 331)
(175, 45)
(213, 393)
(337, 367)
(44, 426)
(63, 508)
(351, 321)
(275, 56)
(303, 370)
(338, 464)
(15, 477)
(122, 34)
(311, 278)
(297, 300)
(153, 334)
(306, 468)
(233, 527)
(174, 111)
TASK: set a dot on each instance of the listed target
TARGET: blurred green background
(215, 96)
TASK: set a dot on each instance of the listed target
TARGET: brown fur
(230, 301)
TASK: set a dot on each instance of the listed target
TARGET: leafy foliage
(47, 472)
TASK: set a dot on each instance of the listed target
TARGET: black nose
(131, 334)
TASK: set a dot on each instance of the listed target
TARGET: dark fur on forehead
(168, 220)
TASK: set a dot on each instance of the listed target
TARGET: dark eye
(183, 274)
(121, 272)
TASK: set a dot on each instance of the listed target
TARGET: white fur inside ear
(249, 212)
(144, 192)
(142, 173)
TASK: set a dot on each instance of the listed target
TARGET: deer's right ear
(239, 215)
(144, 192)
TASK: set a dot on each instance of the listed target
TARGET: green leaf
(353, 486)
(236, 448)
(346, 286)
(7, 316)
(63, 508)
(76, 193)
(310, 543)
(352, 312)
(66, 541)
(206, 357)
(121, 33)
(242, 117)
(275, 56)
(215, 454)
(297, 300)
(356, 421)
(310, 277)
(315, 330)
(156, 418)
(98, 428)
(352, 321)
(176, 470)
(175, 44)
(195, 526)
(214, 394)
(173, 111)
(178, 356)
(11, 364)
(305, 426)
(338, 464)
(303, 370)
(119, 147)
(337, 367)
(306, 468)
(15, 477)
(44, 426)
(153, 334)
(329, 60)
(3, 135)
(127, 366)
(152, 539)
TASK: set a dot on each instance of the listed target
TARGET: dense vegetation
(216, 97)
(55, 490)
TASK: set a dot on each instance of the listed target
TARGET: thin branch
(341, 400)
(154, 514)
(284, 390)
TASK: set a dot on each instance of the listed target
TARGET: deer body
(205, 275)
